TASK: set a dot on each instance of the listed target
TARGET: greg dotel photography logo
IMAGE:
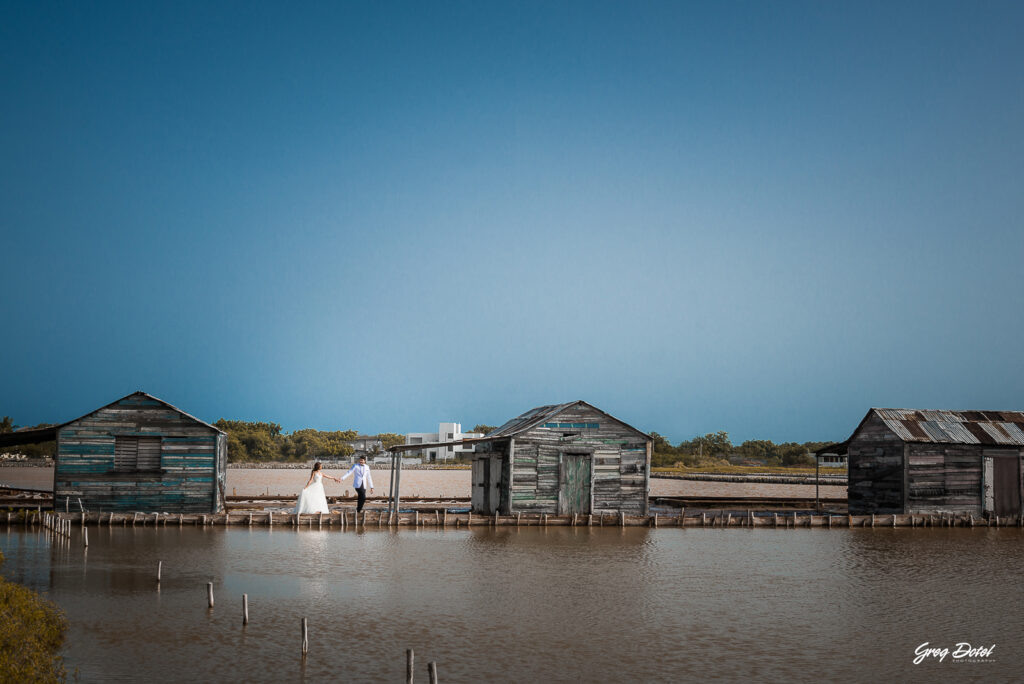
(961, 652)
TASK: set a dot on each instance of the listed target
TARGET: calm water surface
(533, 604)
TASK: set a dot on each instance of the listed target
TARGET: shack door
(1006, 485)
(574, 484)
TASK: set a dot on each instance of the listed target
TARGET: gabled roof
(149, 397)
(543, 414)
(50, 433)
(996, 428)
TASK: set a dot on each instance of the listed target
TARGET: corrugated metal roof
(955, 427)
(528, 420)
(543, 414)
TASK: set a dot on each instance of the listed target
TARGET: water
(531, 604)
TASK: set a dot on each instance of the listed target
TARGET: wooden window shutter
(126, 453)
(149, 453)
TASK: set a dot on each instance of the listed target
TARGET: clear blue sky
(756, 217)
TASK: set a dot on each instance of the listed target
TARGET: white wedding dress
(312, 499)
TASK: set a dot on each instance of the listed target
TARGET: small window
(137, 454)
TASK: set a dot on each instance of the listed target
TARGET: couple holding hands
(313, 499)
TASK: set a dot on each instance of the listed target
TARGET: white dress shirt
(362, 476)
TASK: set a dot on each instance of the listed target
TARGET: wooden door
(574, 484)
(477, 502)
(1006, 485)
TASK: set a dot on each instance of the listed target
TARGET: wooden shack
(562, 459)
(913, 461)
(140, 453)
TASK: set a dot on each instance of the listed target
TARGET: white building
(446, 432)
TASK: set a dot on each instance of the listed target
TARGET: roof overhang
(36, 436)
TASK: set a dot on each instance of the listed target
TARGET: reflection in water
(540, 604)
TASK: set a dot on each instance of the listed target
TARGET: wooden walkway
(379, 518)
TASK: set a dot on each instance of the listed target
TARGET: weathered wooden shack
(140, 453)
(912, 461)
(562, 459)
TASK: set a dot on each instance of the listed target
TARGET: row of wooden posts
(381, 518)
(409, 654)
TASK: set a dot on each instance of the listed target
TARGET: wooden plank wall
(189, 461)
(875, 469)
(944, 478)
(619, 456)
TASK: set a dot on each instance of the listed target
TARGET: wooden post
(159, 568)
(444, 518)
(872, 519)
(775, 519)
(437, 518)
(305, 636)
(655, 520)
(209, 593)
(682, 516)
(409, 660)
(518, 515)
(432, 672)
(750, 518)
(416, 517)
(894, 520)
(245, 609)
(703, 519)
(622, 518)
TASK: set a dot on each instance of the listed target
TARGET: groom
(361, 479)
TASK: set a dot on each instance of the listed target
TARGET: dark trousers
(361, 493)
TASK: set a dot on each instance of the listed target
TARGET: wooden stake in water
(245, 609)
(432, 672)
(305, 636)
(159, 567)
(410, 657)
(85, 537)
(209, 593)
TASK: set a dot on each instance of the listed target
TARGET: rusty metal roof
(955, 427)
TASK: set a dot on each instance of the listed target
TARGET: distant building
(446, 432)
(563, 459)
(365, 445)
(911, 461)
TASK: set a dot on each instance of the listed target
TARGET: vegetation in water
(31, 633)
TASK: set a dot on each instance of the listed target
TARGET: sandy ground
(431, 483)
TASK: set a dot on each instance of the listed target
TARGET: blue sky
(757, 217)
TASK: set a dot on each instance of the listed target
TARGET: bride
(312, 498)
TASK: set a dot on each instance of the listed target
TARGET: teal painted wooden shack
(562, 459)
(140, 453)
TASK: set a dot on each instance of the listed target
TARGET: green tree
(7, 425)
(484, 428)
(390, 439)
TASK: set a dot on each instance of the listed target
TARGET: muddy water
(533, 604)
(288, 482)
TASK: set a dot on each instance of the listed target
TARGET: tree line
(250, 441)
(716, 448)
